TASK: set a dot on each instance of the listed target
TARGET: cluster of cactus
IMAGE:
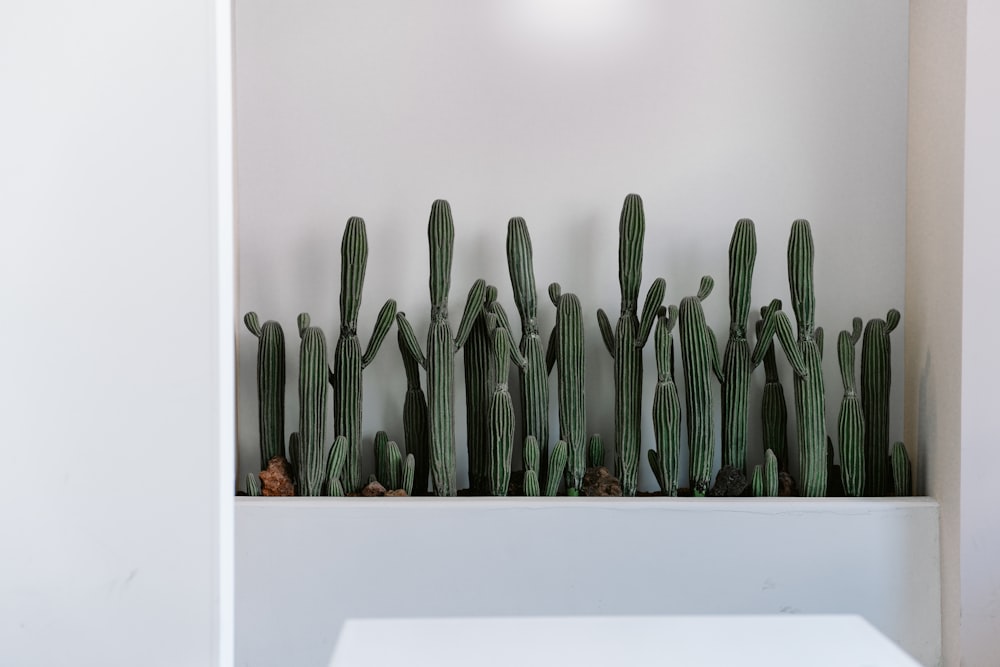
(869, 466)
(626, 341)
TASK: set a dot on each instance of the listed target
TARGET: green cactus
(294, 456)
(757, 481)
(381, 444)
(700, 358)
(253, 484)
(773, 408)
(534, 396)
(441, 348)
(409, 466)
(665, 460)
(902, 473)
(736, 364)
(270, 386)
(531, 457)
(415, 419)
(566, 348)
(348, 361)
(478, 390)
(335, 467)
(625, 343)
(595, 451)
(313, 372)
(557, 464)
(770, 474)
(531, 486)
(388, 462)
(501, 412)
(876, 379)
(850, 422)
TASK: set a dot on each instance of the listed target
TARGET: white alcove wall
(712, 111)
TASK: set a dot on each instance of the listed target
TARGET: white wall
(980, 541)
(116, 301)
(711, 110)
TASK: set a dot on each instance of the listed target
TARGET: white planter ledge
(304, 565)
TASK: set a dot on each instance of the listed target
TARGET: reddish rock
(373, 489)
(398, 493)
(600, 482)
(277, 479)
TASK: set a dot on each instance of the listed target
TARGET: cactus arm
(891, 322)
(382, 325)
(607, 333)
(777, 322)
(335, 466)
(650, 310)
(551, 351)
(409, 339)
(819, 337)
(503, 324)
(654, 464)
(713, 350)
(473, 307)
(253, 323)
(705, 287)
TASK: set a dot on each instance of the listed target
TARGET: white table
(639, 641)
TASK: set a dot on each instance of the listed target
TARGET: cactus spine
(441, 347)
(736, 364)
(348, 361)
(850, 422)
(773, 408)
(270, 386)
(876, 378)
(534, 375)
(700, 358)
(566, 350)
(902, 474)
(335, 467)
(414, 418)
(665, 460)
(629, 337)
(313, 372)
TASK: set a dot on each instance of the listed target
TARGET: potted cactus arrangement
(322, 461)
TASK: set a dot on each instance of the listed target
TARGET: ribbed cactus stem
(700, 359)
(335, 466)
(294, 456)
(381, 446)
(736, 364)
(902, 473)
(531, 487)
(666, 407)
(850, 421)
(253, 484)
(770, 474)
(348, 360)
(876, 380)
(270, 386)
(629, 337)
(313, 372)
(414, 418)
(409, 466)
(557, 464)
(534, 377)
(568, 345)
(595, 451)
(478, 391)
(439, 361)
(773, 407)
(531, 457)
(757, 481)
(501, 416)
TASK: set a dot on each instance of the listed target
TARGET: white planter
(303, 566)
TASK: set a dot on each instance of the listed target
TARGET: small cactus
(700, 357)
(388, 462)
(625, 343)
(566, 350)
(557, 464)
(415, 419)
(500, 431)
(595, 451)
(770, 474)
(348, 361)
(773, 408)
(850, 422)
(757, 481)
(253, 484)
(313, 373)
(409, 465)
(270, 386)
(531, 455)
(736, 364)
(665, 459)
(335, 467)
(876, 379)
(902, 473)
(441, 347)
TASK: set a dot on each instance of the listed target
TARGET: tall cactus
(478, 390)
(270, 386)
(876, 379)
(534, 378)
(850, 422)
(773, 408)
(700, 358)
(665, 459)
(626, 341)
(736, 364)
(313, 372)
(441, 348)
(348, 361)
(566, 349)
(414, 418)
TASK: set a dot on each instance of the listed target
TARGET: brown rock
(277, 479)
(373, 489)
(786, 485)
(397, 493)
(600, 482)
(729, 483)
